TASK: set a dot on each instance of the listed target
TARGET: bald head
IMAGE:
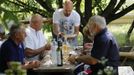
(68, 6)
(36, 17)
(68, 2)
(36, 22)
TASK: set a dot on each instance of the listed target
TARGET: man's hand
(36, 64)
(70, 36)
(47, 46)
(84, 58)
(88, 45)
(71, 59)
(61, 33)
(45, 50)
(87, 48)
(31, 64)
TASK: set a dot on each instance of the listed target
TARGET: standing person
(13, 50)
(66, 21)
(35, 42)
(104, 45)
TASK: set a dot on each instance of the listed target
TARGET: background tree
(19, 9)
(129, 33)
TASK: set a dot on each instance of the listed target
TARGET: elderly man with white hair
(104, 46)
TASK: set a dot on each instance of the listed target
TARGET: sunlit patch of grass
(120, 31)
(132, 38)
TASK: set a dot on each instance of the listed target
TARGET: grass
(119, 31)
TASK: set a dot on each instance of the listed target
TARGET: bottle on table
(59, 52)
(53, 53)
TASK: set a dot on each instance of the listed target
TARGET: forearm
(31, 64)
(76, 30)
(55, 29)
(29, 52)
(56, 32)
(87, 59)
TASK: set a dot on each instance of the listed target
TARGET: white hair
(98, 20)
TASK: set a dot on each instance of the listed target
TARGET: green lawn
(120, 31)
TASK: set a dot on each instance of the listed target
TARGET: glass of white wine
(65, 48)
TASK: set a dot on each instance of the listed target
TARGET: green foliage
(2, 1)
(15, 10)
(99, 6)
(31, 3)
(107, 70)
(50, 1)
(47, 27)
(8, 17)
(15, 69)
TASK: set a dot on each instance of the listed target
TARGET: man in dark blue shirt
(104, 46)
(12, 49)
(10, 52)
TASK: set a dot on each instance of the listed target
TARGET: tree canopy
(20, 9)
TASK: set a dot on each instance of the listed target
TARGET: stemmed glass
(66, 49)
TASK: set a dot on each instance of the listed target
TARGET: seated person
(35, 42)
(12, 49)
(104, 46)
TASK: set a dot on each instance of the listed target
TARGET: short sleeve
(28, 43)
(44, 38)
(56, 17)
(77, 19)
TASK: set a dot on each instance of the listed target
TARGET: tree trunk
(129, 34)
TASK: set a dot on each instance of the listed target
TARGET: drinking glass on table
(66, 49)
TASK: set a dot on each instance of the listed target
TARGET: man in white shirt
(66, 21)
(35, 42)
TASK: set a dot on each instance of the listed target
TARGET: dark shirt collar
(101, 32)
(13, 41)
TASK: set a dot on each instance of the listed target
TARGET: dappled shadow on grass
(120, 32)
